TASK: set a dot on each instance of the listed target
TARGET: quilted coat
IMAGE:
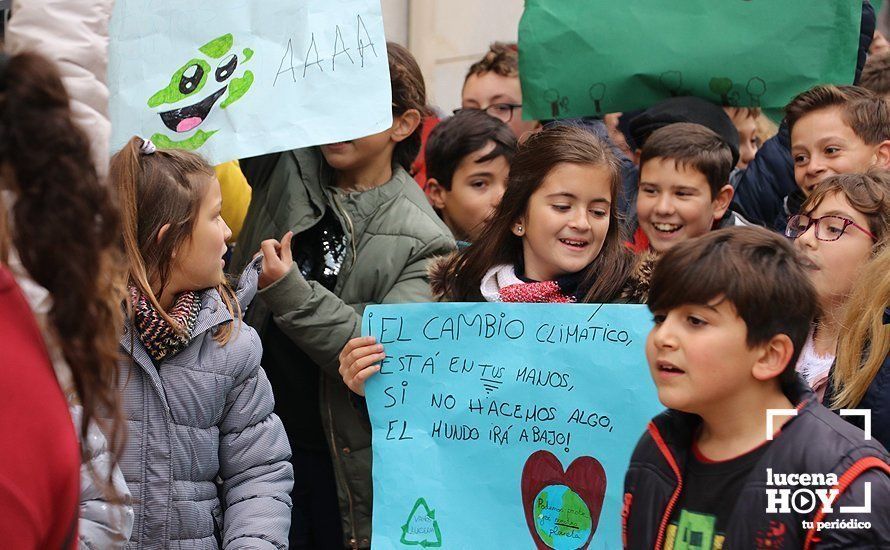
(206, 460)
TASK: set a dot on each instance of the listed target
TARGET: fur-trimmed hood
(636, 291)
(439, 270)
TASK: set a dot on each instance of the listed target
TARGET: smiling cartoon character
(189, 80)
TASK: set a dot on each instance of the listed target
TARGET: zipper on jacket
(353, 540)
(350, 227)
(659, 442)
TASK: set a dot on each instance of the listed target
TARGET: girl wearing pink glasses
(843, 223)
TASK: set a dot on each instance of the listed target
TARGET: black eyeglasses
(500, 111)
(828, 228)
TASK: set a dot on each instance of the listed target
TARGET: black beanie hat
(686, 109)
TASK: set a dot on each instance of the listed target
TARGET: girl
(206, 459)
(842, 224)
(861, 376)
(553, 238)
(46, 183)
(364, 232)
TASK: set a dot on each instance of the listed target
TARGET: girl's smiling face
(566, 221)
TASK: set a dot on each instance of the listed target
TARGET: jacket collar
(677, 428)
(212, 314)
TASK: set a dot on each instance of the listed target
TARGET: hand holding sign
(358, 361)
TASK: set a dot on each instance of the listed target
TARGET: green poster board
(590, 57)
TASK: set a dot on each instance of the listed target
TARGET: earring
(519, 229)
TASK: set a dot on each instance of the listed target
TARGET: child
(65, 362)
(876, 74)
(732, 309)
(468, 158)
(206, 460)
(833, 130)
(361, 231)
(860, 379)
(553, 238)
(842, 224)
(837, 132)
(745, 121)
(684, 186)
(492, 85)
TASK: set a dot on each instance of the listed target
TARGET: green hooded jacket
(391, 233)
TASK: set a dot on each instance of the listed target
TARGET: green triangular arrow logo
(421, 529)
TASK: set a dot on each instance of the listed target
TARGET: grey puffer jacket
(206, 459)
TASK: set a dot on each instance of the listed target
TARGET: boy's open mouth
(190, 117)
(667, 227)
(668, 368)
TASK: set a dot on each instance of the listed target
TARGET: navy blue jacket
(813, 441)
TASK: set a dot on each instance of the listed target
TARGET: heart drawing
(562, 508)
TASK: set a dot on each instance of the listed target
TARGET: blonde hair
(865, 339)
(154, 190)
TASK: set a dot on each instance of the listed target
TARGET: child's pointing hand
(277, 259)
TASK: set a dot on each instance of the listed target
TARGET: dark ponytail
(64, 226)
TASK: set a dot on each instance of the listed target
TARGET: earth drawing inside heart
(562, 508)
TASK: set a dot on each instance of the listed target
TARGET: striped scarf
(502, 284)
(161, 340)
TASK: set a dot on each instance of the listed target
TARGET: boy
(832, 130)
(492, 85)
(684, 186)
(745, 121)
(467, 160)
(732, 310)
(876, 74)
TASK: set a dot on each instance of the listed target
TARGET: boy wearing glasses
(731, 310)
(468, 160)
(492, 85)
(843, 223)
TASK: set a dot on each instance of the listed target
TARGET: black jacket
(814, 441)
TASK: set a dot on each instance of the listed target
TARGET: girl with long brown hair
(555, 237)
(59, 240)
(206, 457)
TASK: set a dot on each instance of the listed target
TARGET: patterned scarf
(501, 284)
(159, 338)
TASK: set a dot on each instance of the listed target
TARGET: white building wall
(447, 36)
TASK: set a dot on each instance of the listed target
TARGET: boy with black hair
(467, 161)
(684, 188)
(732, 310)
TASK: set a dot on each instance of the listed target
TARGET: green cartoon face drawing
(217, 68)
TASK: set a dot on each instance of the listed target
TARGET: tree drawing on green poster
(421, 529)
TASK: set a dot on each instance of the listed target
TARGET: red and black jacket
(814, 441)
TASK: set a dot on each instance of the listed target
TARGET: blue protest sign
(505, 425)
(238, 78)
